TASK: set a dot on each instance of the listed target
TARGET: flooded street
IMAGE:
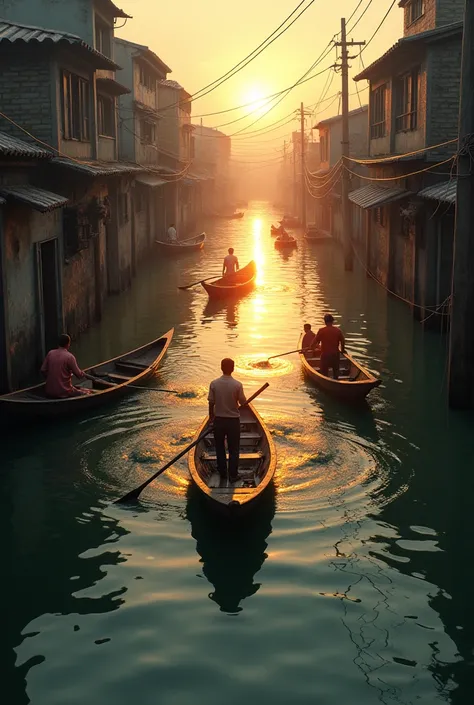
(351, 584)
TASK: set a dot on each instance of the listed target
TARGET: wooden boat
(181, 246)
(257, 465)
(315, 235)
(354, 381)
(277, 231)
(285, 244)
(112, 379)
(238, 284)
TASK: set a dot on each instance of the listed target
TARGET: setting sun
(255, 100)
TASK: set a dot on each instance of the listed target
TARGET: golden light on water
(258, 256)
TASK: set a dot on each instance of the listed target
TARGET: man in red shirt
(329, 337)
(58, 367)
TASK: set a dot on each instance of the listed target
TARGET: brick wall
(425, 22)
(443, 95)
(25, 89)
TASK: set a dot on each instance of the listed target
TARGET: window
(77, 231)
(147, 132)
(103, 37)
(106, 116)
(147, 79)
(123, 208)
(75, 107)
(406, 101)
(380, 216)
(377, 112)
(324, 148)
(415, 10)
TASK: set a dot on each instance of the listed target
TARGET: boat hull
(222, 496)
(286, 244)
(234, 286)
(133, 367)
(353, 387)
(179, 248)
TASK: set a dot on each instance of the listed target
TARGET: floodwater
(350, 585)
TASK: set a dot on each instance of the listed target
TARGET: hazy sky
(202, 39)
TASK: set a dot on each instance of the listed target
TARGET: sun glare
(254, 99)
(258, 250)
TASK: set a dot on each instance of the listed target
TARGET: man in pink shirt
(58, 367)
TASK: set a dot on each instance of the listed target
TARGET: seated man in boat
(308, 338)
(58, 368)
(226, 394)
(284, 235)
(172, 234)
(330, 338)
(231, 263)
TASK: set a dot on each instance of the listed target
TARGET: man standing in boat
(226, 395)
(58, 367)
(330, 338)
(231, 263)
(172, 234)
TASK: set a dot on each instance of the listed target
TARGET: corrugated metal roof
(169, 83)
(373, 196)
(150, 180)
(111, 86)
(98, 168)
(445, 192)
(13, 32)
(13, 147)
(37, 198)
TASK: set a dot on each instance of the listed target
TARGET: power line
(380, 25)
(360, 17)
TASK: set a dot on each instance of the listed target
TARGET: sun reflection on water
(258, 254)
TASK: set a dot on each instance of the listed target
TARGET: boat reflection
(232, 552)
(215, 307)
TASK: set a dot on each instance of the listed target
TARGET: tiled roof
(431, 35)
(169, 83)
(116, 11)
(98, 168)
(13, 147)
(373, 196)
(37, 198)
(445, 191)
(12, 33)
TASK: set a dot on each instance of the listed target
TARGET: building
(413, 126)
(212, 150)
(154, 197)
(324, 184)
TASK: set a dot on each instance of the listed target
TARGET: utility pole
(461, 336)
(303, 166)
(346, 222)
(294, 178)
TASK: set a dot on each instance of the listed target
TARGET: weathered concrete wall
(74, 16)
(120, 253)
(443, 96)
(79, 292)
(23, 228)
(448, 11)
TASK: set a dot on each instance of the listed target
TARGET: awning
(150, 180)
(445, 192)
(37, 198)
(97, 168)
(373, 196)
(111, 86)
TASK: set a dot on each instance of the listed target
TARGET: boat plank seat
(120, 378)
(242, 456)
(135, 369)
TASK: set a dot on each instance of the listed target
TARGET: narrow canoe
(181, 246)
(257, 465)
(238, 284)
(354, 381)
(113, 380)
(281, 244)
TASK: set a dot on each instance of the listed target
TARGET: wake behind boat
(238, 284)
(112, 379)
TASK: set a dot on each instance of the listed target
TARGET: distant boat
(285, 243)
(277, 231)
(182, 246)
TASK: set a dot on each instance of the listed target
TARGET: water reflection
(231, 553)
(215, 307)
(258, 253)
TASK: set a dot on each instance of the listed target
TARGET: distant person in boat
(231, 263)
(172, 234)
(226, 395)
(58, 368)
(332, 342)
(308, 337)
(284, 235)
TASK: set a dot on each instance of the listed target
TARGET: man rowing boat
(231, 263)
(330, 338)
(58, 368)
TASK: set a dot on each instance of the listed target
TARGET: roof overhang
(373, 196)
(446, 192)
(111, 86)
(112, 8)
(37, 198)
(150, 180)
(95, 169)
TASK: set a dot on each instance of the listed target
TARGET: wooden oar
(199, 282)
(134, 494)
(287, 353)
(152, 389)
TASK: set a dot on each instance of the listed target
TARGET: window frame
(407, 90)
(378, 109)
(148, 124)
(147, 79)
(106, 125)
(75, 106)
(411, 10)
(103, 31)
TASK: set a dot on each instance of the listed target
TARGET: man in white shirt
(172, 235)
(231, 263)
(226, 395)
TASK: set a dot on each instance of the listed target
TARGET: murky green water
(351, 585)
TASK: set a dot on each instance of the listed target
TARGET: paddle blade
(129, 498)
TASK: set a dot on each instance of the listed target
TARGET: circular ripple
(257, 365)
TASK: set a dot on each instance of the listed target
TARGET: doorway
(48, 290)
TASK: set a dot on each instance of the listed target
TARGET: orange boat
(238, 284)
